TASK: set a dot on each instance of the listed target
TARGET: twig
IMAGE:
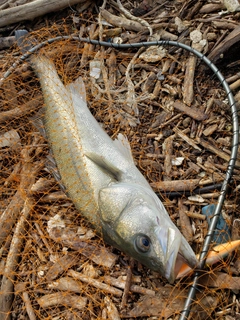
(12, 260)
(190, 141)
(29, 308)
(43, 238)
(195, 215)
(131, 98)
(7, 42)
(131, 17)
(128, 283)
(95, 283)
(120, 283)
(167, 150)
(99, 254)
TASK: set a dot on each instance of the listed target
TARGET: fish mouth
(176, 252)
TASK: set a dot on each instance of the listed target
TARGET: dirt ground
(177, 117)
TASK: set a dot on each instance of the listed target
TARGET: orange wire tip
(216, 254)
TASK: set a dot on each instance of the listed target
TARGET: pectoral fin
(105, 165)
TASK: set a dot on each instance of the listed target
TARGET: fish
(216, 254)
(101, 178)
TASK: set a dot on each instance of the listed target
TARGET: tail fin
(23, 42)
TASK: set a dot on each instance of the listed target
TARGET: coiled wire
(235, 140)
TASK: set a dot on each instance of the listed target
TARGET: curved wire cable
(192, 292)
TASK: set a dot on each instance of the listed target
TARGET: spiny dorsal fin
(77, 88)
(123, 145)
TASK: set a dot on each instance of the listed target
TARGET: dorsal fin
(124, 147)
(77, 88)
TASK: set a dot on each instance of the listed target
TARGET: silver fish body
(103, 182)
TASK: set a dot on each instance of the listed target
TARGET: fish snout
(176, 252)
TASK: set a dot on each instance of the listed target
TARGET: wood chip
(66, 299)
(192, 112)
(62, 264)
(67, 284)
(111, 309)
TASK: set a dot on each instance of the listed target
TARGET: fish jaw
(177, 251)
(133, 222)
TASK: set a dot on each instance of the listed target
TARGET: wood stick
(95, 283)
(33, 9)
(120, 283)
(11, 264)
(128, 283)
(190, 141)
(195, 215)
(176, 185)
(188, 92)
(28, 305)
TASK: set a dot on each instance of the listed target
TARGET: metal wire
(192, 292)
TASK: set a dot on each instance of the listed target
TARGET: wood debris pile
(176, 116)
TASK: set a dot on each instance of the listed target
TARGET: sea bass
(102, 180)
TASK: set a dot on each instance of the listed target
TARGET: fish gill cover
(53, 264)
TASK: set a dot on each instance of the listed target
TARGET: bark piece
(111, 309)
(186, 227)
(224, 45)
(66, 299)
(33, 9)
(192, 112)
(67, 284)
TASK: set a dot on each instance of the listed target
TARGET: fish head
(135, 221)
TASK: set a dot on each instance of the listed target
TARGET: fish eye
(142, 243)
